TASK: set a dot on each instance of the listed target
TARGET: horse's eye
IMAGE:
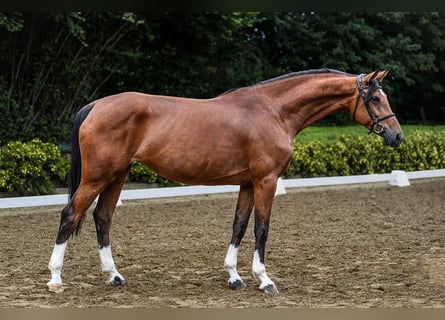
(375, 99)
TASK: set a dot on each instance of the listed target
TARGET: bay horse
(243, 137)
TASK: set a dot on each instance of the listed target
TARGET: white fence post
(399, 178)
(280, 187)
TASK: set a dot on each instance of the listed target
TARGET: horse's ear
(378, 75)
(374, 75)
(368, 78)
(380, 78)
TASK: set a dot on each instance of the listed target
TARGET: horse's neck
(303, 100)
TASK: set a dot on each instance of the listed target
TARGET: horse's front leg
(263, 195)
(240, 222)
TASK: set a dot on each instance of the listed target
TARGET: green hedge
(32, 168)
(36, 167)
(140, 173)
(352, 155)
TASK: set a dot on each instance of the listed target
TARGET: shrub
(350, 155)
(140, 173)
(32, 167)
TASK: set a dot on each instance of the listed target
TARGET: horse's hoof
(56, 288)
(117, 282)
(270, 289)
(237, 285)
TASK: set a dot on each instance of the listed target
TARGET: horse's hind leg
(70, 220)
(242, 214)
(103, 214)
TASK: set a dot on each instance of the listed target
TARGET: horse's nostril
(394, 140)
(398, 138)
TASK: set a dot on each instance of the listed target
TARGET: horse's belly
(200, 171)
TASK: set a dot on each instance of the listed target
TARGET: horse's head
(372, 109)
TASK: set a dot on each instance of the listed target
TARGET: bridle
(376, 127)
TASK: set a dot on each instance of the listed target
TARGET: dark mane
(305, 72)
(294, 74)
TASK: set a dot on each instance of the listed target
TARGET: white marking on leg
(55, 266)
(107, 263)
(259, 273)
(230, 263)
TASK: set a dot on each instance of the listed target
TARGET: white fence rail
(397, 178)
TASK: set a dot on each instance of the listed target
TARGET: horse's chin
(392, 145)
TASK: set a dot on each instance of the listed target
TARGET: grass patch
(332, 133)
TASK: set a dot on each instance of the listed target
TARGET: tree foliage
(54, 63)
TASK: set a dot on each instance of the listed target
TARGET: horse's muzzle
(392, 138)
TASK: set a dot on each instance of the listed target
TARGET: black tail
(76, 163)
